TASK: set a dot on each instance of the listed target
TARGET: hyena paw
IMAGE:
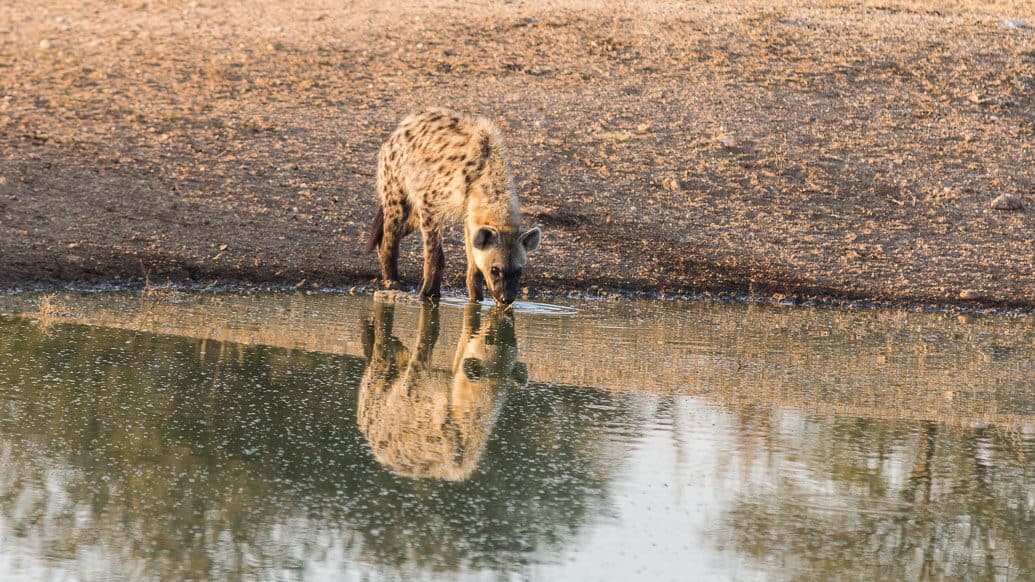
(430, 293)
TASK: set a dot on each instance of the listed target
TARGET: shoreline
(569, 294)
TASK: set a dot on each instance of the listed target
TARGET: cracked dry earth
(843, 150)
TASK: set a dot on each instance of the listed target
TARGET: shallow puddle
(319, 437)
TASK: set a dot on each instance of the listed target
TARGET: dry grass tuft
(153, 292)
(162, 292)
(47, 308)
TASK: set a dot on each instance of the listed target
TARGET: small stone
(671, 184)
(1007, 202)
(643, 127)
(970, 295)
(729, 140)
(223, 247)
(45, 44)
(979, 98)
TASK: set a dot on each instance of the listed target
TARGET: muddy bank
(835, 151)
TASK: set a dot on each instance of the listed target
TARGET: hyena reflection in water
(423, 422)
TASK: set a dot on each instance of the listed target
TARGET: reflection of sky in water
(165, 455)
(528, 307)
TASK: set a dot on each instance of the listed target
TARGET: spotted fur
(440, 166)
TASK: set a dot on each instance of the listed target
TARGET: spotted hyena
(440, 166)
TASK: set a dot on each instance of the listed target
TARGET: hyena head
(501, 256)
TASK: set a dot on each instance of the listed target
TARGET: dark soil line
(732, 283)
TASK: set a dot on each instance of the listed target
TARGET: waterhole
(324, 437)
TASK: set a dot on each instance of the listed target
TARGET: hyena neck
(505, 218)
(495, 206)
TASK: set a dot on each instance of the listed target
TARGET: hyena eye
(495, 271)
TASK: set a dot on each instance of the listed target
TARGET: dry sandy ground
(845, 150)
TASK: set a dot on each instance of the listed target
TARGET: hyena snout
(504, 284)
(511, 286)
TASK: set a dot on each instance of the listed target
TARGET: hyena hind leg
(398, 223)
(388, 253)
(434, 261)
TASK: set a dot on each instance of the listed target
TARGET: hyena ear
(530, 239)
(485, 237)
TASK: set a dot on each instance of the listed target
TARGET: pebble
(979, 98)
(970, 295)
(1007, 202)
(727, 140)
(45, 44)
(394, 296)
(671, 184)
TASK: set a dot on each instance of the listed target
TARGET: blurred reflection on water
(423, 422)
(326, 437)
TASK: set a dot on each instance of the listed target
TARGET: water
(321, 437)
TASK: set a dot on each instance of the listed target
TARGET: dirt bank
(844, 150)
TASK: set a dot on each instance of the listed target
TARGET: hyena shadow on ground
(426, 422)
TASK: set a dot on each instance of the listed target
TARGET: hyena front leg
(475, 283)
(475, 279)
(434, 257)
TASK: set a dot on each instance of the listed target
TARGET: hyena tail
(377, 231)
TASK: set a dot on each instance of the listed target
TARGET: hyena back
(440, 166)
